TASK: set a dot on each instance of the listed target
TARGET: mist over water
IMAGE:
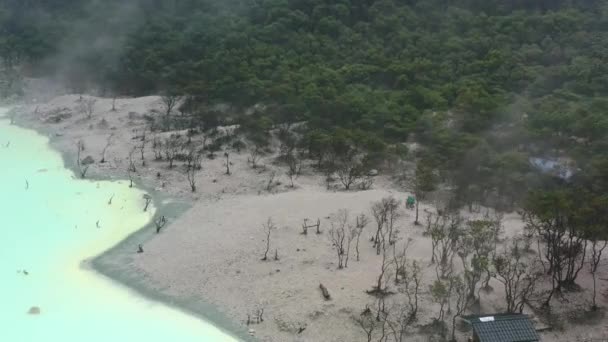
(49, 227)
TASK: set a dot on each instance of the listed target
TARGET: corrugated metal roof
(504, 328)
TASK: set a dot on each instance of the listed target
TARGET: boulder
(34, 310)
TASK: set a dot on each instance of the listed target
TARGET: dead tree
(160, 223)
(105, 148)
(382, 316)
(361, 223)
(432, 221)
(82, 168)
(379, 214)
(295, 167)
(380, 289)
(459, 292)
(131, 169)
(444, 230)
(148, 200)
(254, 155)
(400, 261)
(268, 227)
(597, 247)
(192, 170)
(338, 235)
(271, 184)
(411, 286)
(386, 213)
(172, 147)
(497, 229)
(170, 101)
(328, 168)
(227, 163)
(367, 322)
(130, 175)
(88, 107)
(352, 233)
(191, 151)
(349, 170)
(517, 275)
(142, 147)
(157, 148)
(399, 319)
(392, 208)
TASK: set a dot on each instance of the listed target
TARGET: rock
(88, 160)
(372, 172)
(34, 310)
(251, 331)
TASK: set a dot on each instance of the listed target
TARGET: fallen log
(325, 292)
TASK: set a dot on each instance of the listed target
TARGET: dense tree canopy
(483, 84)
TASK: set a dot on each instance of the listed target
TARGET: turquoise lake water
(49, 227)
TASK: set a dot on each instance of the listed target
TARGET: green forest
(481, 85)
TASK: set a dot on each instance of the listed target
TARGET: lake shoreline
(210, 258)
(115, 263)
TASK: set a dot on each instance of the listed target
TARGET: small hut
(502, 328)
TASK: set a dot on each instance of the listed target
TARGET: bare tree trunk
(83, 168)
(105, 148)
(594, 305)
(357, 244)
(268, 227)
(416, 220)
(142, 148)
(148, 200)
(227, 163)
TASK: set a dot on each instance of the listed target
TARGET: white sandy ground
(213, 251)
